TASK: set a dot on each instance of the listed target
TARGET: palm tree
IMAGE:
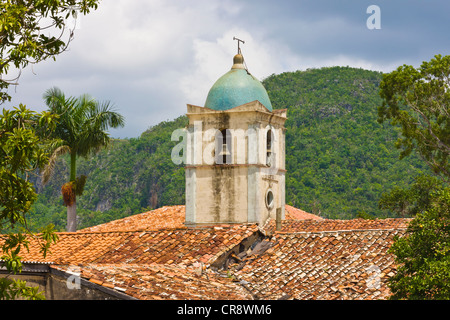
(81, 130)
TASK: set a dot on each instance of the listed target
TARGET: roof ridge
(338, 231)
(79, 232)
(358, 219)
(196, 228)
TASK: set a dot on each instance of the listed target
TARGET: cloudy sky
(152, 57)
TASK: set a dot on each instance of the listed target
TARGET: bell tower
(235, 162)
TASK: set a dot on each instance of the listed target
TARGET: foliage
(131, 176)
(23, 149)
(21, 153)
(78, 184)
(418, 101)
(339, 159)
(80, 131)
(24, 134)
(424, 253)
(34, 30)
(14, 289)
(416, 199)
(364, 215)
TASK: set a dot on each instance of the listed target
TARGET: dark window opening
(224, 147)
(269, 140)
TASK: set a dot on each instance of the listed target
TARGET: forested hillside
(339, 158)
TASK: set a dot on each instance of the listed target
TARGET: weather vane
(238, 40)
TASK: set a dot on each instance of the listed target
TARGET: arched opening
(223, 147)
(269, 146)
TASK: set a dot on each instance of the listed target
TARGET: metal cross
(238, 40)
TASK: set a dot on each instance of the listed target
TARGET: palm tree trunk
(72, 209)
(72, 217)
(73, 166)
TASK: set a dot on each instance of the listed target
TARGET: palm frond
(53, 98)
(50, 167)
(104, 116)
(83, 122)
(64, 108)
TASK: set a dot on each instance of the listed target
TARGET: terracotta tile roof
(310, 225)
(307, 259)
(324, 265)
(157, 281)
(298, 214)
(179, 245)
(168, 217)
(169, 246)
(75, 247)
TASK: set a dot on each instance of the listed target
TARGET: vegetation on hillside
(128, 177)
(339, 159)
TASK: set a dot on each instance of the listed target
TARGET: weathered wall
(55, 285)
(234, 192)
(221, 194)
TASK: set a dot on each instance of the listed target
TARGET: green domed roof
(235, 88)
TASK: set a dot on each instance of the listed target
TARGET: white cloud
(212, 59)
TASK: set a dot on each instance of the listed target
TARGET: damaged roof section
(349, 261)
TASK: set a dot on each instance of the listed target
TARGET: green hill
(339, 158)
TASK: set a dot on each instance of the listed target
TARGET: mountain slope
(339, 159)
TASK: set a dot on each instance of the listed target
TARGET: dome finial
(238, 59)
(239, 40)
